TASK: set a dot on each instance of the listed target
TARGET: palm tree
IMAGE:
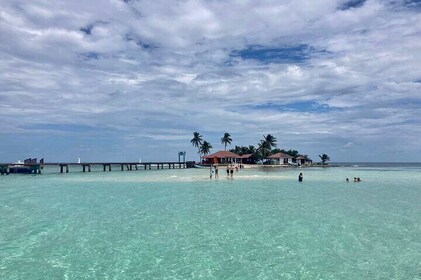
(265, 146)
(226, 139)
(263, 150)
(270, 141)
(277, 150)
(324, 158)
(205, 148)
(251, 149)
(197, 141)
(243, 150)
(236, 150)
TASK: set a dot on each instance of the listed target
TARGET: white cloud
(144, 68)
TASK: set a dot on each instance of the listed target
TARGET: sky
(114, 80)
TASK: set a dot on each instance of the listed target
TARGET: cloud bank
(116, 80)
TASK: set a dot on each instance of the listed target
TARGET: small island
(266, 153)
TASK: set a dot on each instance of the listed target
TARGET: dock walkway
(129, 166)
(106, 166)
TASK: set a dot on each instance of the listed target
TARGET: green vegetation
(226, 139)
(205, 148)
(266, 147)
(242, 150)
(325, 158)
(197, 141)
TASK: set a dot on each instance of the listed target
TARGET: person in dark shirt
(300, 177)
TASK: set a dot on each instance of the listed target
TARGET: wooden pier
(122, 166)
(88, 166)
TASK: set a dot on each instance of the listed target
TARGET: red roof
(222, 154)
(280, 155)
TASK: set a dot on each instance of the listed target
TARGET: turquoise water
(178, 224)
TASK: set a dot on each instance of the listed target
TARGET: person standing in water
(210, 172)
(216, 172)
(300, 177)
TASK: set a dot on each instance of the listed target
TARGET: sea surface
(179, 224)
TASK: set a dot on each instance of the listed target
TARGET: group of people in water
(214, 170)
(356, 179)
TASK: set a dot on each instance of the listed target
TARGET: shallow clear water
(178, 224)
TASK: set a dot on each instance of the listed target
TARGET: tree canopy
(266, 147)
(205, 148)
(324, 158)
(197, 141)
(226, 139)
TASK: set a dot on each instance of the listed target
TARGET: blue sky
(119, 80)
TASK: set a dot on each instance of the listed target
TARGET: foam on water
(179, 224)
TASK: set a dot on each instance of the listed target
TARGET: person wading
(300, 177)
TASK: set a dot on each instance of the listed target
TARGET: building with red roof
(248, 159)
(221, 157)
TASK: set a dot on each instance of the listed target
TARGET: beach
(179, 224)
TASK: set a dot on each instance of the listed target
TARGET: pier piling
(105, 166)
(84, 167)
(62, 167)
